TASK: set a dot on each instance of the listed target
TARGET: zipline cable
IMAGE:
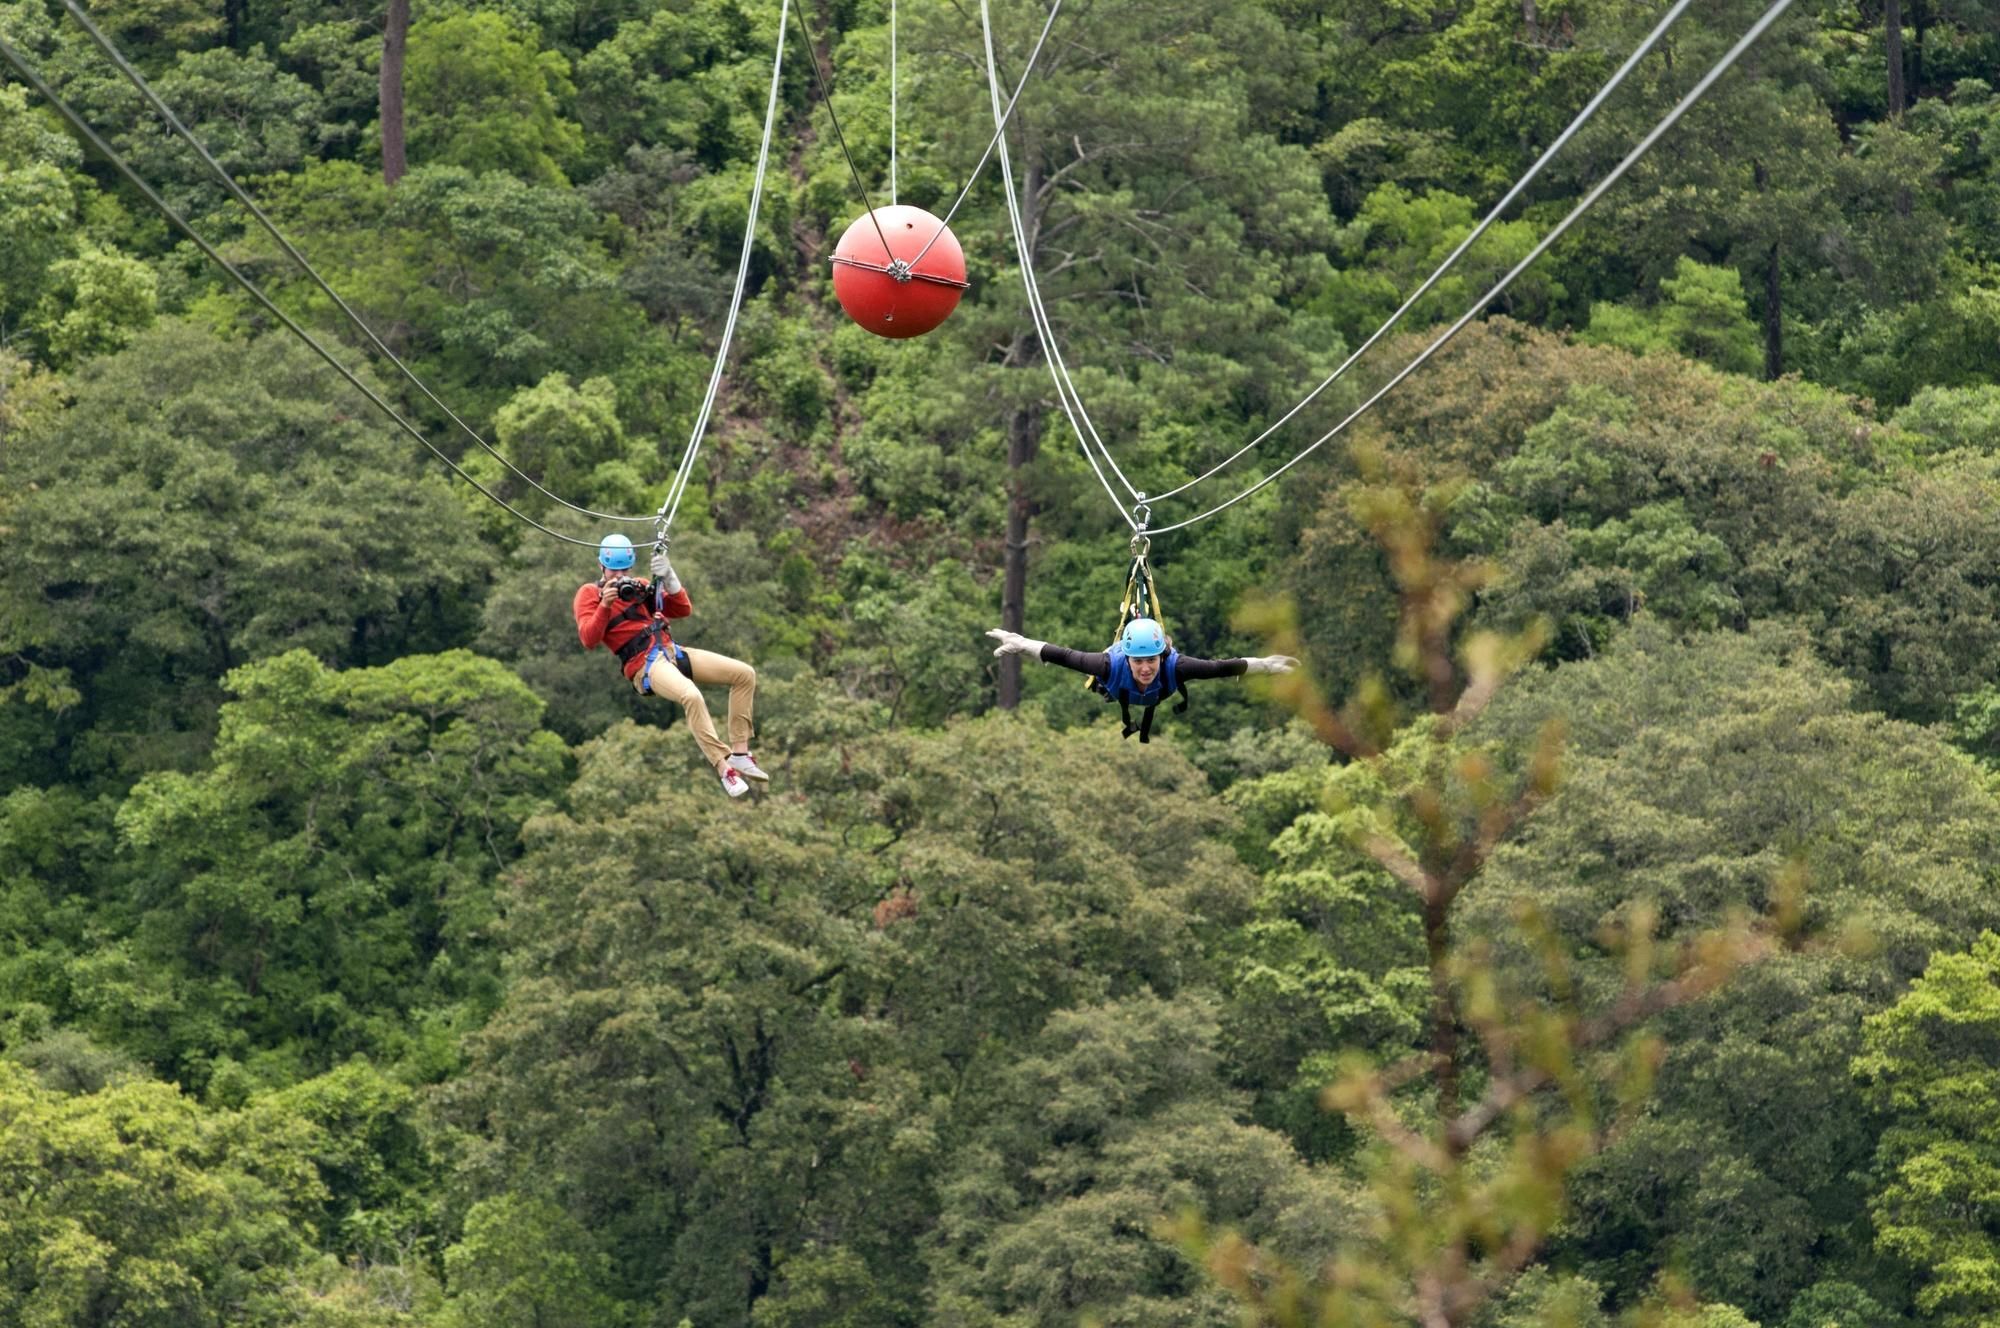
(892, 103)
(90, 136)
(1058, 367)
(1583, 205)
(826, 95)
(678, 489)
(1582, 117)
(966, 189)
(1027, 275)
(138, 80)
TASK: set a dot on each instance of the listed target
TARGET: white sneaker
(732, 783)
(746, 765)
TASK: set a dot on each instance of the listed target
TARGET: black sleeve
(1094, 662)
(1193, 669)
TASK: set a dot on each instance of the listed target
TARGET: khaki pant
(709, 667)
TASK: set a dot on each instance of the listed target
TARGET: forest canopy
(1599, 928)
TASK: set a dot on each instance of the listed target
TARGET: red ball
(893, 294)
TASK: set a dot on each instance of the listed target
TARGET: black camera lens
(630, 588)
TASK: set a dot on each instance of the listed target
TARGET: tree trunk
(1919, 21)
(234, 12)
(1774, 320)
(1024, 433)
(1444, 1005)
(1531, 23)
(1892, 32)
(395, 35)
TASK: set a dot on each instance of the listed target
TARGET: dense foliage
(370, 957)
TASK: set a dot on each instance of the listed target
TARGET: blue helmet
(615, 552)
(1143, 639)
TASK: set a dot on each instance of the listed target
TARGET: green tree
(1476, 1137)
(135, 1206)
(38, 207)
(323, 888)
(1396, 241)
(484, 283)
(1950, 418)
(483, 97)
(1701, 314)
(784, 1033)
(569, 438)
(97, 302)
(200, 503)
(1836, 1305)
(253, 117)
(1332, 966)
(1927, 1064)
(525, 1263)
(685, 78)
(1694, 772)
(1113, 1122)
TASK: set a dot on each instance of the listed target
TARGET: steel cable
(118, 163)
(1645, 144)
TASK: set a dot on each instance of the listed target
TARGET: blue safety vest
(1119, 685)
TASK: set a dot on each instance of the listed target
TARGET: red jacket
(594, 625)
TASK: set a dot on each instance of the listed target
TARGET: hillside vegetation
(1601, 928)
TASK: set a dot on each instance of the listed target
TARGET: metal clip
(1142, 517)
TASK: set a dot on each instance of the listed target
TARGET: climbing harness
(1141, 602)
(657, 640)
(1120, 686)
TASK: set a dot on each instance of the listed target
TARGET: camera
(629, 588)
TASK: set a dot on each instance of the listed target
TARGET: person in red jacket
(629, 617)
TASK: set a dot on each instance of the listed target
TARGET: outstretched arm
(1194, 667)
(1096, 663)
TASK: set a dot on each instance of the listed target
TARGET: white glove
(663, 572)
(1271, 664)
(1013, 643)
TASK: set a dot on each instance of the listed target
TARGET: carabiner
(1142, 516)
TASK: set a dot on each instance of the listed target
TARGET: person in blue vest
(1140, 669)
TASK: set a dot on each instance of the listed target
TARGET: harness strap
(1140, 601)
(1144, 728)
(655, 641)
(681, 662)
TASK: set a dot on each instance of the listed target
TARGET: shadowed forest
(1600, 928)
